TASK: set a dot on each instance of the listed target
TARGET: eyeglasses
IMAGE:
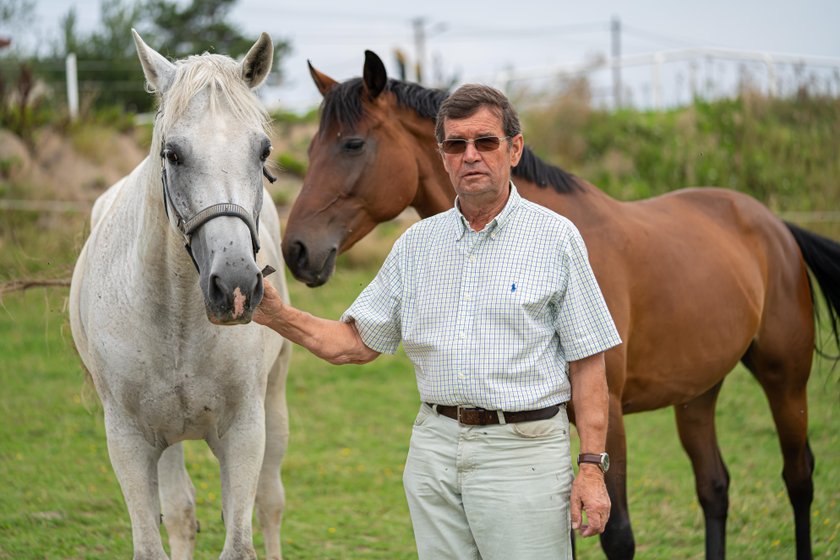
(483, 144)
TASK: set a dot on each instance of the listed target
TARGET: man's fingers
(575, 513)
(596, 523)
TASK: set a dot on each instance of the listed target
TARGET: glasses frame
(474, 141)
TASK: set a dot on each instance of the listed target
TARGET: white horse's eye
(171, 156)
(266, 152)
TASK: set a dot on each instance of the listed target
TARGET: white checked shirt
(490, 318)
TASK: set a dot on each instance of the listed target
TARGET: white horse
(164, 373)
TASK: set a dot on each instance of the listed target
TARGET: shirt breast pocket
(512, 298)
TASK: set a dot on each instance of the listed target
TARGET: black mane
(343, 104)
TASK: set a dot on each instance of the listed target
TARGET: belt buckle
(467, 409)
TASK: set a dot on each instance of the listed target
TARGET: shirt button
(460, 375)
(467, 296)
(462, 335)
(472, 258)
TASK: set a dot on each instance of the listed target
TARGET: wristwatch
(600, 459)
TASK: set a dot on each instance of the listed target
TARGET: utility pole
(419, 25)
(615, 28)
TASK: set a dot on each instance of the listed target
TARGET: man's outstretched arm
(333, 341)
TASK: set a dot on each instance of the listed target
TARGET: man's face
(480, 173)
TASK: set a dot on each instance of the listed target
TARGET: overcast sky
(482, 40)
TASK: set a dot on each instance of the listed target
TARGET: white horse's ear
(257, 63)
(159, 72)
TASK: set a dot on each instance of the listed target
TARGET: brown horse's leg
(696, 426)
(617, 540)
(783, 379)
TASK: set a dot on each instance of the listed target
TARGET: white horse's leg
(271, 498)
(135, 464)
(240, 453)
(177, 501)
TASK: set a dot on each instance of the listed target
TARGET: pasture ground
(349, 434)
(350, 426)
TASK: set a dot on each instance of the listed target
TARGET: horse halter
(188, 226)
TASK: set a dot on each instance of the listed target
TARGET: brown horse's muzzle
(308, 263)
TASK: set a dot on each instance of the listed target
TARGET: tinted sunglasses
(483, 144)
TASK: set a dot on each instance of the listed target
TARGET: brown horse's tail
(822, 255)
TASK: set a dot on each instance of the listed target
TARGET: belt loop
(435, 410)
(501, 416)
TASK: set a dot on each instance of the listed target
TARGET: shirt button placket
(465, 315)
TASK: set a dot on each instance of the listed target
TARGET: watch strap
(589, 458)
(600, 459)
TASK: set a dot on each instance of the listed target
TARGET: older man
(497, 307)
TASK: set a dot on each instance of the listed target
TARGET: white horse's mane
(221, 75)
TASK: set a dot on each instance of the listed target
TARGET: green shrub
(781, 151)
(291, 164)
(286, 117)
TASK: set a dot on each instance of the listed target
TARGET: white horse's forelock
(221, 75)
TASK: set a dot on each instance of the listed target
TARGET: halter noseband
(188, 226)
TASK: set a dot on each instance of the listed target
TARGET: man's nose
(471, 153)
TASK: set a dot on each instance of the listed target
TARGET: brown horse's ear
(374, 74)
(323, 82)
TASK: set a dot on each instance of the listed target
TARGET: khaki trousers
(489, 492)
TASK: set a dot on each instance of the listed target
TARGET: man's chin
(475, 181)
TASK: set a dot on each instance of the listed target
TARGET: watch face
(605, 462)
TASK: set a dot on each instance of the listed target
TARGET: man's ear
(517, 146)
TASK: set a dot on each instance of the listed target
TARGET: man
(497, 307)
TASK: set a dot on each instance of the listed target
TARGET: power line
(508, 33)
(659, 37)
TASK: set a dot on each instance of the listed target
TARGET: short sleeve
(583, 321)
(376, 312)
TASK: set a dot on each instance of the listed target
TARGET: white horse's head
(211, 131)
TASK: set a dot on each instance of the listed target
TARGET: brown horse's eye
(353, 145)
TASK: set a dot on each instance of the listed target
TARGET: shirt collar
(462, 226)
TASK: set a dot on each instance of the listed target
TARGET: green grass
(349, 434)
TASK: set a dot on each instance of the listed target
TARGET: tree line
(108, 70)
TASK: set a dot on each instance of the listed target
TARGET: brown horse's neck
(587, 206)
(434, 193)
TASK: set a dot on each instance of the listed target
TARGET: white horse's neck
(162, 261)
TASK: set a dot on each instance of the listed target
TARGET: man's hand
(589, 494)
(270, 307)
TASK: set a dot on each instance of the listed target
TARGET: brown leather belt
(481, 417)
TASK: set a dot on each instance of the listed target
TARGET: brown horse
(696, 280)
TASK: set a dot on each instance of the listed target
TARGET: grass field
(350, 427)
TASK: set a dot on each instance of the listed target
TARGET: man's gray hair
(468, 99)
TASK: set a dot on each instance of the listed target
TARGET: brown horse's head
(363, 167)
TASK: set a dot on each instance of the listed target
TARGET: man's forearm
(590, 397)
(333, 341)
